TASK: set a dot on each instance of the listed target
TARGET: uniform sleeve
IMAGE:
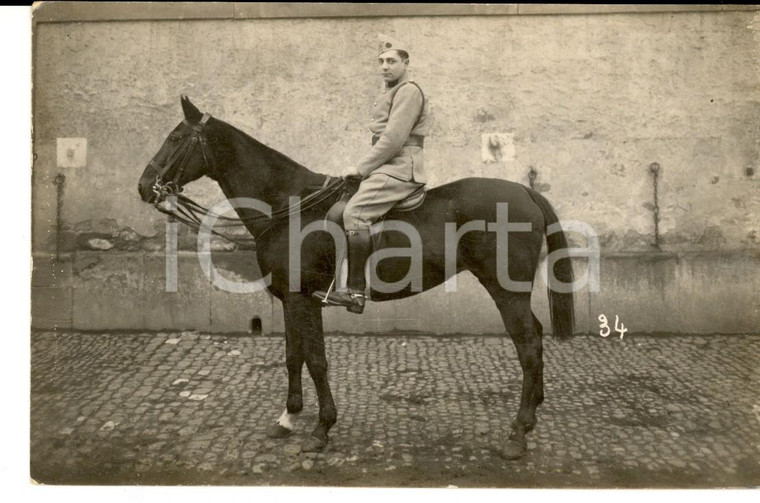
(407, 104)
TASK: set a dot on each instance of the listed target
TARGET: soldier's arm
(407, 104)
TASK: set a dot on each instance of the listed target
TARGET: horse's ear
(191, 111)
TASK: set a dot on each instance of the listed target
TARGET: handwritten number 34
(605, 328)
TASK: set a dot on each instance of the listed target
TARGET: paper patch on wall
(71, 152)
(498, 147)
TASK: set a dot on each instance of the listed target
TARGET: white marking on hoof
(286, 420)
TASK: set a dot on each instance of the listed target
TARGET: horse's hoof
(514, 449)
(278, 431)
(313, 444)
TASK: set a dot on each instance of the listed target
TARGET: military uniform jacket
(394, 118)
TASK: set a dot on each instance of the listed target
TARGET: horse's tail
(560, 302)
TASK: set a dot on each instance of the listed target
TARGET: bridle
(180, 157)
(189, 212)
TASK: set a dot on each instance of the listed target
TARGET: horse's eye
(173, 139)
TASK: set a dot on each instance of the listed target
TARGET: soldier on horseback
(391, 171)
(247, 170)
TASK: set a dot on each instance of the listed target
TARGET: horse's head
(183, 157)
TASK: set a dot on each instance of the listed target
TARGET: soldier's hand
(351, 171)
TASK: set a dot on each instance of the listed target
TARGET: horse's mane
(274, 156)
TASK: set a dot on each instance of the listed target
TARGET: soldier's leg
(377, 194)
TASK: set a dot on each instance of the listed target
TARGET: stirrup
(354, 302)
(325, 297)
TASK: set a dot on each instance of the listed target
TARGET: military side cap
(391, 44)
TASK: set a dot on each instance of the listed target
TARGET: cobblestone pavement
(188, 408)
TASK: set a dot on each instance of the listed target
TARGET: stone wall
(588, 101)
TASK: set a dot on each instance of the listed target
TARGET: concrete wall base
(698, 292)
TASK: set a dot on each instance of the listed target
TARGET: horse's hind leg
(294, 360)
(522, 327)
(538, 390)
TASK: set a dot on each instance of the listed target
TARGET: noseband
(161, 187)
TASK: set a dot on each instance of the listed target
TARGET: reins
(193, 214)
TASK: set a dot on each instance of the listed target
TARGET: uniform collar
(404, 78)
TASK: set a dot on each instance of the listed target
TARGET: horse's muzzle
(147, 194)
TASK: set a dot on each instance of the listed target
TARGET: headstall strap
(162, 188)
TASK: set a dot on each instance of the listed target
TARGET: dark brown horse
(473, 208)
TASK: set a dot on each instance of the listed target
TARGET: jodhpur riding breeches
(377, 194)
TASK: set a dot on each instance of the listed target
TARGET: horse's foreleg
(294, 360)
(316, 362)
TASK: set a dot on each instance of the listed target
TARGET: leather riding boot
(359, 245)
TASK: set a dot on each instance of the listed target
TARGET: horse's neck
(251, 170)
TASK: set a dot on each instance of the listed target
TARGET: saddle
(335, 213)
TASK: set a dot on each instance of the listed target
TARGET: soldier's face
(392, 67)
